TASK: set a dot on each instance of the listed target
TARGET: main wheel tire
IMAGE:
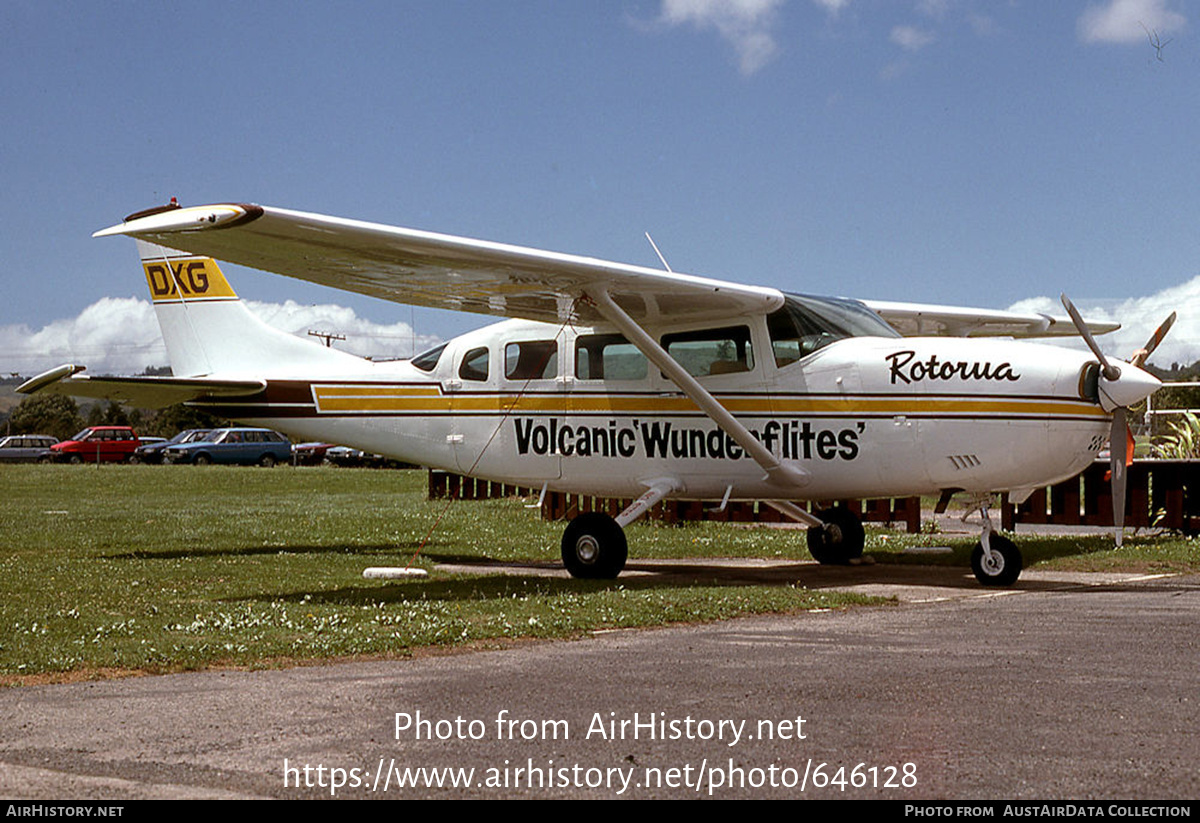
(267, 461)
(75, 459)
(594, 547)
(201, 460)
(840, 540)
(1005, 565)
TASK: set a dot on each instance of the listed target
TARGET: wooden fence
(560, 506)
(1161, 493)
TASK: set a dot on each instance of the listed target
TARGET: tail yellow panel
(176, 279)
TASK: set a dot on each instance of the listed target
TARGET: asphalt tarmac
(1070, 686)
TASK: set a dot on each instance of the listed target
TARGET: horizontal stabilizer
(141, 392)
(924, 320)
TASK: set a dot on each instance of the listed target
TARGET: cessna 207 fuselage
(621, 381)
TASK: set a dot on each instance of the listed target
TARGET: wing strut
(782, 475)
(790, 509)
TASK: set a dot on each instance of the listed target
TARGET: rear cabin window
(531, 360)
(712, 351)
(608, 357)
(474, 365)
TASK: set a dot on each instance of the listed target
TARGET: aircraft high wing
(923, 320)
(436, 270)
(447, 272)
(629, 382)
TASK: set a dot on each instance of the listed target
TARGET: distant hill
(1176, 373)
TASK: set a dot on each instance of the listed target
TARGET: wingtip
(176, 219)
(47, 377)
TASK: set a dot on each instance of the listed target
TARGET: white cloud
(912, 38)
(1139, 317)
(745, 24)
(1127, 21)
(832, 7)
(933, 8)
(121, 336)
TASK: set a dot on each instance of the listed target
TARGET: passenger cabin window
(608, 357)
(531, 360)
(805, 324)
(712, 351)
(474, 365)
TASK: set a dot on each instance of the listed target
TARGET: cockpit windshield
(805, 324)
(427, 361)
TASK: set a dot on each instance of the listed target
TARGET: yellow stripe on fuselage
(408, 399)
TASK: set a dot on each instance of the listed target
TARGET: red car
(106, 444)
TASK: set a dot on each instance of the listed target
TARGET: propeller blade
(1118, 449)
(1111, 372)
(1140, 356)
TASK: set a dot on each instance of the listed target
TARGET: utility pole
(327, 336)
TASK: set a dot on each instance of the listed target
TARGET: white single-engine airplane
(628, 382)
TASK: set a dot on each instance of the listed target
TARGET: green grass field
(162, 568)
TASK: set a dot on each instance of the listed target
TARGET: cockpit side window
(474, 365)
(712, 351)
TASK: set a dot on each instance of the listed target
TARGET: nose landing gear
(996, 560)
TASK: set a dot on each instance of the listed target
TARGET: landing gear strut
(996, 560)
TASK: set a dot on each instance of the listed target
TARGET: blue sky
(947, 151)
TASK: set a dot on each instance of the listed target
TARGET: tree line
(61, 417)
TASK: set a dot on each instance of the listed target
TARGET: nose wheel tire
(1002, 568)
(594, 547)
(840, 540)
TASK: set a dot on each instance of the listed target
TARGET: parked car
(107, 444)
(310, 454)
(345, 456)
(240, 446)
(153, 452)
(25, 448)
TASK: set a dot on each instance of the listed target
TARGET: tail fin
(209, 331)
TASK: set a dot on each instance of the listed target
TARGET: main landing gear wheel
(840, 540)
(1002, 568)
(594, 547)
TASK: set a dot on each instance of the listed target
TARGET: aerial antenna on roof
(656, 251)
